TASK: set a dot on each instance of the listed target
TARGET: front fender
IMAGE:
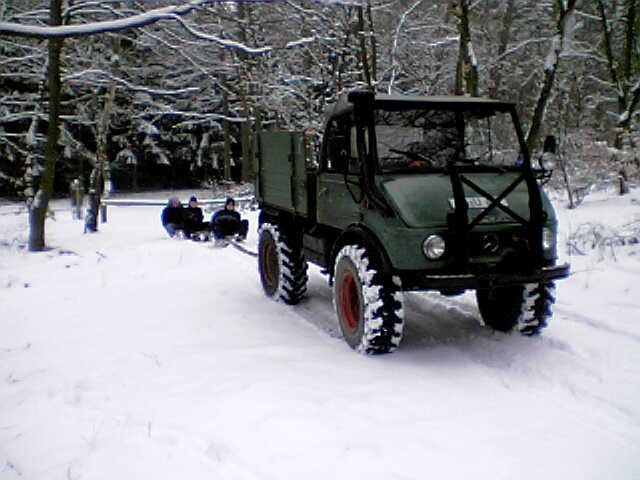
(359, 234)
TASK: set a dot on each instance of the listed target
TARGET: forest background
(168, 94)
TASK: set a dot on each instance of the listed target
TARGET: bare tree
(569, 65)
(623, 64)
(504, 38)
(565, 10)
(40, 205)
(56, 32)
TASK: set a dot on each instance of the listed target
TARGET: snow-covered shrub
(604, 240)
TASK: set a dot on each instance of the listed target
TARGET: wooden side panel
(281, 175)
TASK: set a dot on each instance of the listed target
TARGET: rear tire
(525, 307)
(368, 304)
(283, 268)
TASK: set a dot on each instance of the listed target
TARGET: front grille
(489, 243)
(500, 251)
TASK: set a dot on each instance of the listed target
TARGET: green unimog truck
(408, 193)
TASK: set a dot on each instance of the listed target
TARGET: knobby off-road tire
(283, 268)
(369, 305)
(526, 308)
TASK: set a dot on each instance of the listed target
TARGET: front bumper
(472, 281)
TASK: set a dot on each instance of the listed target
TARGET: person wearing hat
(173, 216)
(227, 222)
(193, 218)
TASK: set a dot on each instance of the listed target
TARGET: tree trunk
(495, 74)
(245, 133)
(467, 69)
(629, 38)
(621, 72)
(608, 51)
(226, 134)
(100, 175)
(374, 48)
(134, 182)
(631, 84)
(38, 209)
(93, 201)
(623, 179)
(566, 180)
(364, 60)
(565, 9)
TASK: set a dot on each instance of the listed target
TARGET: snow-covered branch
(140, 20)
(221, 41)
(308, 13)
(520, 46)
(22, 60)
(199, 115)
(199, 66)
(396, 36)
(300, 42)
(136, 88)
(94, 6)
(20, 116)
(65, 31)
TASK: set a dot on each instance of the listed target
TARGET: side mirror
(546, 161)
(550, 144)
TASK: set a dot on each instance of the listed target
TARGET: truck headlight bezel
(434, 247)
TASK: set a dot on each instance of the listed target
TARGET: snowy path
(129, 355)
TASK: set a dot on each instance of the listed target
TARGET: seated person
(173, 216)
(227, 222)
(193, 218)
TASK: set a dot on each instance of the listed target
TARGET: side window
(353, 150)
(337, 145)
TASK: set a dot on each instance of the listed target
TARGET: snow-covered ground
(128, 355)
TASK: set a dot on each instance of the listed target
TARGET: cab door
(338, 191)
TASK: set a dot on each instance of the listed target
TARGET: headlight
(433, 247)
(548, 239)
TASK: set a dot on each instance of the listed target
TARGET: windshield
(414, 140)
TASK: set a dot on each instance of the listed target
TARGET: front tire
(282, 266)
(526, 308)
(368, 304)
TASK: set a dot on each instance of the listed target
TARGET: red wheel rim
(350, 301)
(269, 264)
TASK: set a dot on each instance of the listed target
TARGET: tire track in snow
(577, 317)
(317, 306)
(432, 320)
(552, 361)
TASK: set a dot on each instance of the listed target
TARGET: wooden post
(103, 213)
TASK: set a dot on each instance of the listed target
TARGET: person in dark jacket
(193, 218)
(173, 217)
(227, 222)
